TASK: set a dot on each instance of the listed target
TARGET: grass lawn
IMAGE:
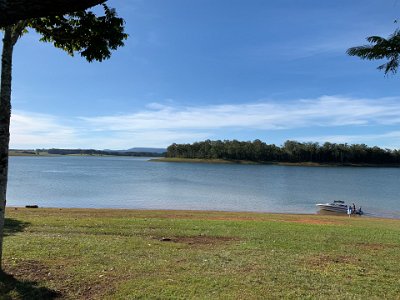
(128, 254)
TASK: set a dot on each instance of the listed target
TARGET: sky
(214, 69)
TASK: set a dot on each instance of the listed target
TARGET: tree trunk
(5, 114)
(12, 11)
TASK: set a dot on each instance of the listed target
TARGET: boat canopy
(338, 201)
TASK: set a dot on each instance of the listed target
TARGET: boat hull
(338, 209)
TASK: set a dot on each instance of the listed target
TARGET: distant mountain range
(141, 149)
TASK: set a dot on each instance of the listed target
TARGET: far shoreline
(22, 153)
(274, 163)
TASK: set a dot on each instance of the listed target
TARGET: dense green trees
(291, 151)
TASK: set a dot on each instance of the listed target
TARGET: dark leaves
(94, 37)
(380, 48)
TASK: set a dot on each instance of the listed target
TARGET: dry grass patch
(78, 213)
(201, 240)
(39, 273)
(32, 270)
(376, 246)
(316, 221)
(324, 260)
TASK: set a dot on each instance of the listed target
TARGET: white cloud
(324, 111)
(28, 129)
(159, 125)
(32, 130)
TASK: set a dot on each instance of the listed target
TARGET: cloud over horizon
(160, 125)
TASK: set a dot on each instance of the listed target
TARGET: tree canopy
(92, 36)
(12, 11)
(291, 151)
(381, 48)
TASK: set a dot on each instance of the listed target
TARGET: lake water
(125, 182)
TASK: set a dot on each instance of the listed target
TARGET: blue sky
(214, 69)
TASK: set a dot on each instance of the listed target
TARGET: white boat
(337, 206)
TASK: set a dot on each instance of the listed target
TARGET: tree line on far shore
(95, 152)
(290, 151)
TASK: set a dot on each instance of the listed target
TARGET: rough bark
(5, 113)
(12, 11)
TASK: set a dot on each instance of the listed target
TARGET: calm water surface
(124, 182)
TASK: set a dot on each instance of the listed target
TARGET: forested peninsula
(289, 152)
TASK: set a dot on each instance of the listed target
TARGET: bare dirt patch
(207, 217)
(376, 246)
(29, 270)
(176, 215)
(96, 288)
(25, 281)
(67, 288)
(281, 218)
(315, 222)
(201, 240)
(305, 219)
(325, 260)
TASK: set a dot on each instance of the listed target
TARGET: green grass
(126, 254)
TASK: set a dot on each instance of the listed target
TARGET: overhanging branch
(12, 11)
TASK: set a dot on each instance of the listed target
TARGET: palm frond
(380, 48)
(390, 66)
(376, 39)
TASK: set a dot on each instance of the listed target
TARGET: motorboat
(338, 206)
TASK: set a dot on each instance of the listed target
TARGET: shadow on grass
(12, 226)
(12, 288)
